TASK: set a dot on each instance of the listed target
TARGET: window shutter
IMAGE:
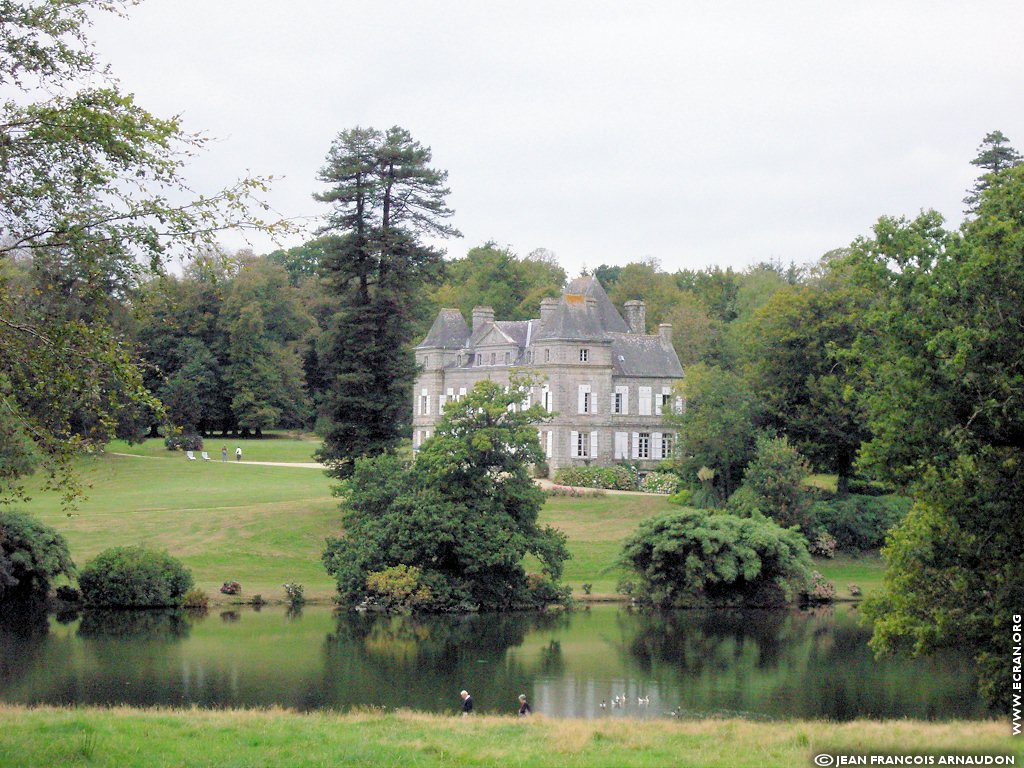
(636, 445)
(620, 445)
(645, 401)
(440, 404)
(656, 453)
(574, 444)
(593, 445)
(625, 401)
(611, 405)
(551, 438)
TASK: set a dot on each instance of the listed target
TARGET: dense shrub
(693, 558)
(32, 555)
(773, 484)
(683, 497)
(820, 589)
(196, 599)
(869, 488)
(860, 522)
(618, 477)
(187, 442)
(574, 491)
(398, 588)
(134, 577)
(660, 482)
(294, 593)
(823, 544)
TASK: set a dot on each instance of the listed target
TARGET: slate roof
(449, 331)
(516, 330)
(583, 313)
(611, 320)
(573, 318)
(635, 355)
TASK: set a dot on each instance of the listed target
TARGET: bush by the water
(694, 558)
(618, 477)
(32, 555)
(464, 513)
(858, 522)
(134, 577)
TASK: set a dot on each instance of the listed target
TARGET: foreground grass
(129, 737)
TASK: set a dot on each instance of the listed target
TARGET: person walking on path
(224, 453)
(524, 706)
(467, 703)
(238, 453)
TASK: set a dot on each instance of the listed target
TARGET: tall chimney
(547, 308)
(665, 331)
(482, 316)
(636, 316)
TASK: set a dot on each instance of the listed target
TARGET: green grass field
(273, 447)
(132, 738)
(265, 525)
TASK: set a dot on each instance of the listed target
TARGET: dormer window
(584, 355)
(547, 355)
(494, 357)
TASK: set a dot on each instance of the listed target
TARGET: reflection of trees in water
(404, 661)
(23, 629)
(149, 625)
(812, 663)
(701, 640)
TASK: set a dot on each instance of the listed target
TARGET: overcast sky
(696, 133)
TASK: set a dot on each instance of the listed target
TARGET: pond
(763, 664)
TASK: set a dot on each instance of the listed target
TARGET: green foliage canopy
(134, 577)
(943, 364)
(694, 558)
(32, 555)
(464, 514)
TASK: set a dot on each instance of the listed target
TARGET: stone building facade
(608, 383)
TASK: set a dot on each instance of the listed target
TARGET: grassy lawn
(271, 447)
(863, 570)
(595, 528)
(126, 738)
(259, 525)
(263, 526)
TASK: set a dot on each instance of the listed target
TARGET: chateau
(608, 383)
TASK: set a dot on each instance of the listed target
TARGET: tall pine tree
(385, 197)
(995, 155)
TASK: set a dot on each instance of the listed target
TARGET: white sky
(696, 133)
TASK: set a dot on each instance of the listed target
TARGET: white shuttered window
(621, 445)
(584, 404)
(645, 401)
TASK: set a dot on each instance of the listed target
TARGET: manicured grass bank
(128, 738)
(265, 525)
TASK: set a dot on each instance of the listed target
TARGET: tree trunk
(842, 484)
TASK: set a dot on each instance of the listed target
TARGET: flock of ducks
(620, 701)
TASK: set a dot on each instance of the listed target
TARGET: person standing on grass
(238, 453)
(524, 706)
(467, 703)
(224, 453)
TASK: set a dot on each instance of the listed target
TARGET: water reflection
(758, 663)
